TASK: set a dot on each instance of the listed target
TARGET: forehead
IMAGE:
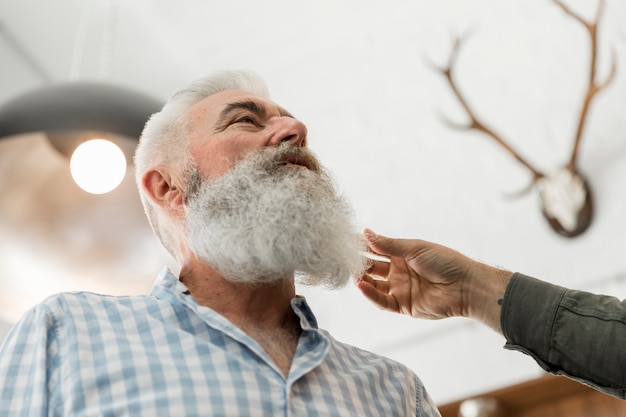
(210, 108)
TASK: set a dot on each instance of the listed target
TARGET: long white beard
(265, 221)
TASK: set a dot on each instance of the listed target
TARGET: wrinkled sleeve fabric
(572, 333)
(25, 365)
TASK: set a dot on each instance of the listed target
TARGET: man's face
(228, 125)
(259, 212)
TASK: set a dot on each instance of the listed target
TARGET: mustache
(286, 155)
(271, 161)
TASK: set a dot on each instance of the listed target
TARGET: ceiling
(360, 75)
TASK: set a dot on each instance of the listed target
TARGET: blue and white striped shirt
(82, 354)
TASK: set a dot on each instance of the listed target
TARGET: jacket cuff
(528, 314)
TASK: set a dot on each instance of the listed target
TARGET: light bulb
(98, 166)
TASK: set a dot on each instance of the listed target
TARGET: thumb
(387, 246)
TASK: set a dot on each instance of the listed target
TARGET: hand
(431, 281)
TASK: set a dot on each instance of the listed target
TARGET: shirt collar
(168, 286)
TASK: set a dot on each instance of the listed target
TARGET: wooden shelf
(547, 396)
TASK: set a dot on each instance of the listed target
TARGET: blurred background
(362, 76)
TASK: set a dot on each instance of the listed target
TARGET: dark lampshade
(64, 111)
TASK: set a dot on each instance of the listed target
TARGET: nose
(287, 129)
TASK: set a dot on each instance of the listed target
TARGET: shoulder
(69, 301)
(86, 307)
(403, 387)
(365, 358)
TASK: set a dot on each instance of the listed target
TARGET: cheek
(217, 158)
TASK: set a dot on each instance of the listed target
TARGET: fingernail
(369, 234)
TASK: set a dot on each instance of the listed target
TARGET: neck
(262, 311)
(266, 303)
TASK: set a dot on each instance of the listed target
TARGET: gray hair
(164, 141)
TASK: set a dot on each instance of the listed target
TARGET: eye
(246, 120)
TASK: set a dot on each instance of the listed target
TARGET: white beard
(264, 221)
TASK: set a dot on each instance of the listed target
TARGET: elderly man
(234, 195)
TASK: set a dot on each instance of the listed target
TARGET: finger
(379, 268)
(381, 285)
(378, 297)
(386, 246)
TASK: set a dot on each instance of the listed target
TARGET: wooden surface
(548, 396)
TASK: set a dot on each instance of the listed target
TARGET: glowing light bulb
(98, 166)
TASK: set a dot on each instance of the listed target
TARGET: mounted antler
(593, 87)
(565, 194)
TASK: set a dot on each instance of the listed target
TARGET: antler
(594, 87)
(565, 194)
(475, 123)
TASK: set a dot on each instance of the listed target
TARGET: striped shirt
(163, 354)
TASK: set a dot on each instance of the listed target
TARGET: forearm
(568, 332)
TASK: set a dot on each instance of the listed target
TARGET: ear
(162, 189)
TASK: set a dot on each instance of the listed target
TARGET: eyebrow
(249, 105)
